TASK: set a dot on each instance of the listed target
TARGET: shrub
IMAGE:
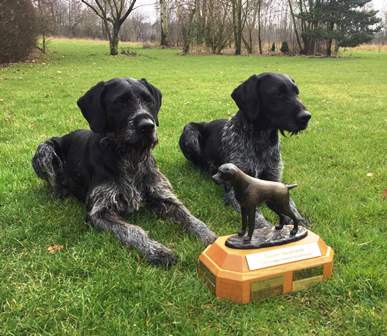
(147, 45)
(284, 47)
(127, 52)
(273, 47)
(17, 30)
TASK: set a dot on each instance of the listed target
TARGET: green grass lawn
(95, 286)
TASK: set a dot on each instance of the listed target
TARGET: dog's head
(124, 107)
(226, 173)
(270, 100)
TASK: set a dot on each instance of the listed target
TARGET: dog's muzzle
(146, 128)
(146, 125)
(217, 179)
(303, 119)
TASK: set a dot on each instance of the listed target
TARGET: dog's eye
(282, 90)
(225, 172)
(146, 98)
(122, 99)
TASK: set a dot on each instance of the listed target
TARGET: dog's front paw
(162, 256)
(247, 239)
(241, 233)
(202, 231)
(209, 238)
(287, 221)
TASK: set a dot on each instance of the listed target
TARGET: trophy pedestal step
(243, 276)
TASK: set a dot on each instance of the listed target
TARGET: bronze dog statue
(251, 192)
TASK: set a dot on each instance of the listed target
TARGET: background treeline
(311, 27)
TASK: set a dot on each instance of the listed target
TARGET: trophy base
(245, 275)
(266, 237)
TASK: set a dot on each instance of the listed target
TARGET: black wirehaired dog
(111, 167)
(267, 103)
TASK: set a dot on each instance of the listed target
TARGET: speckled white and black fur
(256, 152)
(268, 104)
(114, 172)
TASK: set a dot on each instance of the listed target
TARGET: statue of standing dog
(252, 192)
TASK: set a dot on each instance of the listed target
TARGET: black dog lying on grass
(267, 103)
(111, 167)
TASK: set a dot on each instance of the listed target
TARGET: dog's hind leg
(275, 174)
(190, 143)
(283, 212)
(48, 165)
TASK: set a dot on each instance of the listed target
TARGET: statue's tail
(291, 186)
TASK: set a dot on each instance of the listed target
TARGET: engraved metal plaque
(282, 256)
(266, 288)
(307, 277)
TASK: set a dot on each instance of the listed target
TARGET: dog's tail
(191, 143)
(291, 186)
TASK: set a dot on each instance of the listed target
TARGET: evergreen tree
(347, 22)
(284, 47)
(17, 30)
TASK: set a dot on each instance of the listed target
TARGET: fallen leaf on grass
(385, 194)
(54, 248)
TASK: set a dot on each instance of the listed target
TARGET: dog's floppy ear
(157, 97)
(246, 97)
(92, 108)
(294, 83)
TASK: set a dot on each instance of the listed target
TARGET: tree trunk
(44, 43)
(237, 23)
(329, 48)
(295, 26)
(259, 28)
(330, 27)
(164, 43)
(309, 46)
(113, 41)
(250, 49)
(248, 43)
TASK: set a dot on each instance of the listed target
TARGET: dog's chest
(131, 185)
(254, 153)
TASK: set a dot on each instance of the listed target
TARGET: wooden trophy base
(243, 276)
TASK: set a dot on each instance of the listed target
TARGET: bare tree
(74, 16)
(113, 14)
(237, 23)
(164, 40)
(217, 22)
(185, 12)
(295, 25)
(252, 13)
(45, 20)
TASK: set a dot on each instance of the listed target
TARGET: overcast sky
(147, 7)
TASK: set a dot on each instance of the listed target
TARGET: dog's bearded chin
(295, 132)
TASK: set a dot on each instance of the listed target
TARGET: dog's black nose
(304, 117)
(146, 125)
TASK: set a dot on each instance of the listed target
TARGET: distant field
(95, 286)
